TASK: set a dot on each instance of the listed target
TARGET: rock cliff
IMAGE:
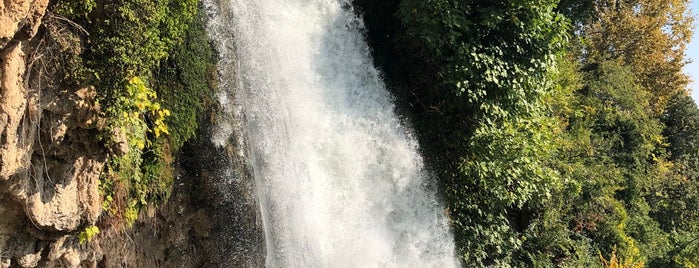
(51, 160)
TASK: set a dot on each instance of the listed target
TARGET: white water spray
(340, 180)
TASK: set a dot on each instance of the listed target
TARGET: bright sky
(693, 54)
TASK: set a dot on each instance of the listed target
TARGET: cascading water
(340, 180)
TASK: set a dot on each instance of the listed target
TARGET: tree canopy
(561, 132)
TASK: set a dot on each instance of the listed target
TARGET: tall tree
(681, 119)
(675, 199)
(613, 159)
(649, 36)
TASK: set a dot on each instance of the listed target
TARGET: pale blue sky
(693, 54)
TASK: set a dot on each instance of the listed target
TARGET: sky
(693, 54)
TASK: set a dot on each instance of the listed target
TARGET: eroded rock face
(20, 19)
(50, 159)
(15, 149)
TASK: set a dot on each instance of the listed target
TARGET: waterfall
(339, 178)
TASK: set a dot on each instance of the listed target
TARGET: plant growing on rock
(148, 77)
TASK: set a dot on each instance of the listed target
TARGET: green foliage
(646, 36)
(141, 124)
(138, 106)
(612, 152)
(75, 9)
(88, 234)
(492, 62)
(675, 199)
(132, 38)
(185, 81)
(681, 119)
(131, 214)
(488, 52)
(130, 44)
(548, 160)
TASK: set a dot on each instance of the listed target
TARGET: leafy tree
(612, 141)
(545, 160)
(676, 197)
(633, 54)
(681, 119)
(484, 114)
(648, 36)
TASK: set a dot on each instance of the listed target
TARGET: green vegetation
(88, 234)
(562, 133)
(491, 84)
(152, 66)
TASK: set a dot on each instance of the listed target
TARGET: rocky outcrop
(20, 19)
(50, 159)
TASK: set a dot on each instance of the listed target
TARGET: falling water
(340, 180)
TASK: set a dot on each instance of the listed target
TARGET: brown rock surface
(50, 159)
(20, 19)
(14, 150)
